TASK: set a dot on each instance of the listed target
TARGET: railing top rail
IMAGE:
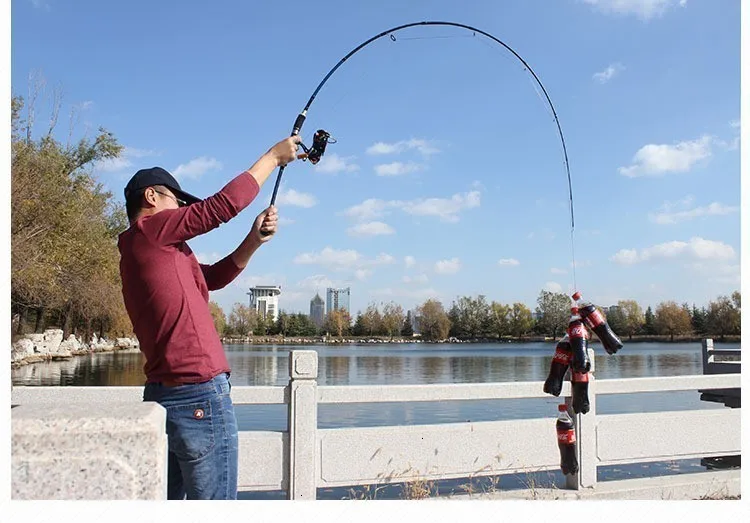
(244, 395)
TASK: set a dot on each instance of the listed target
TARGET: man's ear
(149, 196)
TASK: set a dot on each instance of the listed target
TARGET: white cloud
(696, 248)
(508, 262)
(86, 104)
(342, 259)
(553, 286)
(124, 161)
(425, 147)
(605, 76)
(196, 168)
(668, 214)
(316, 282)
(421, 279)
(333, 163)
(734, 124)
(451, 266)
(643, 9)
(370, 229)
(397, 168)
(206, 257)
(409, 261)
(297, 199)
(362, 274)
(283, 220)
(655, 159)
(446, 209)
(555, 270)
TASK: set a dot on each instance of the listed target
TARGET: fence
(305, 457)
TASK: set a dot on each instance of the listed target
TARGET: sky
(448, 176)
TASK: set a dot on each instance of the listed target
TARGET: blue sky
(448, 175)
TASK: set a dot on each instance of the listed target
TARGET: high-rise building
(265, 300)
(317, 310)
(337, 299)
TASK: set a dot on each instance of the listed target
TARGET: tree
(64, 227)
(338, 321)
(393, 319)
(521, 320)
(454, 317)
(632, 316)
(359, 325)
(671, 319)
(698, 316)
(471, 315)
(500, 319)
(220, 319)
(553, 309)
(242, 320)
(433, 321)
(723, 317)
(372, 321)
(649, 326)
(407, 331)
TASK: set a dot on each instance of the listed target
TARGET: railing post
(303, 423)
(586, 438)
(708, 347)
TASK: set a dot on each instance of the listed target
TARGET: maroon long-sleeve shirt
(166, 289)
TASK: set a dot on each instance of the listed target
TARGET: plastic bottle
(595, 321)
(578, 335)
(580, 384)
(566, 441)
(558, 367)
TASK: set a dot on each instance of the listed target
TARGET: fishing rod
(322, 138)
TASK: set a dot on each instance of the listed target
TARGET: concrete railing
(305, 457)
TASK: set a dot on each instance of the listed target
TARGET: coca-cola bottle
(579, 382)
(578, 335)
(558, 367)
(566, 441)
(595, 321)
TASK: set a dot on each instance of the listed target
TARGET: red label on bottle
(577, 331)
(562, 356)
(594, 319)
(580, 377)
(568, 437)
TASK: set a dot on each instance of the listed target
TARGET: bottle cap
(576, 295)
(562, 407)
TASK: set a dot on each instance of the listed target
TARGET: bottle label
(567, 436)
(577, 331)
(562, 356)
(580, 377)
(594, 319)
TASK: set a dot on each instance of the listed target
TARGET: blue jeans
(202, 437)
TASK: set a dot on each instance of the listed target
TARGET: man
(166, 295)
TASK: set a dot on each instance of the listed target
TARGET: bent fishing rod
(322, 138)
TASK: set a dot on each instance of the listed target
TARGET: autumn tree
(243, 320)
(393, 319)
(521, 320)
(723, 317)
(220, 319)
(338, 322)
(672, 319)
(433, 320)
(632, 318)
(372, 320)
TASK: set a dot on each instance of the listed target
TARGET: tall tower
(265, 300)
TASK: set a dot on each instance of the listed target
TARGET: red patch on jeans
(198, 414)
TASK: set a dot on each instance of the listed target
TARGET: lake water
(396, 364)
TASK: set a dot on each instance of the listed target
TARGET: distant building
(317, 310)
(415, 322)
(265, 300)
(337, 299)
